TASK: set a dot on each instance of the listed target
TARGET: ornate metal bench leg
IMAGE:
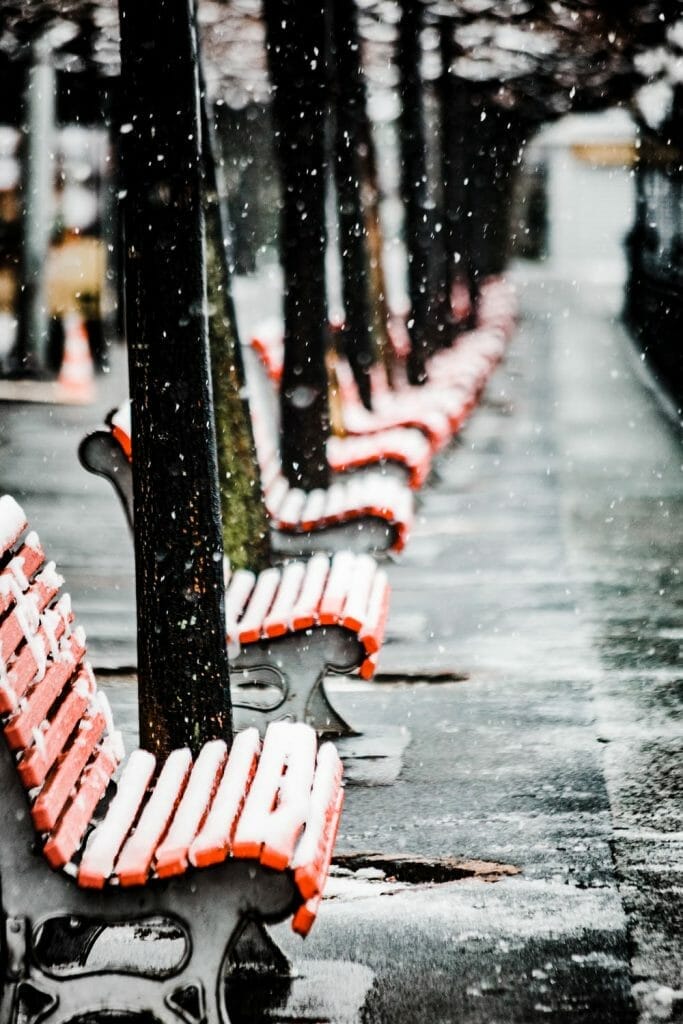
(323, 717)
(301, 661)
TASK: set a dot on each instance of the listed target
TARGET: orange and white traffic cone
(76, 381)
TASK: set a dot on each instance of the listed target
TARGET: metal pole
(30, 353)
(182, 658)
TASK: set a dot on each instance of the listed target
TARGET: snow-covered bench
(288, 627)
(456, 375)
(368, 513)
(211, 844)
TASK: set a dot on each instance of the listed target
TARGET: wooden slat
(135, 859)
(250, 627)
(55, 793)
(275, 809)
(37, 761)
(26, 562)
(372, 630)
(241, 585)
(337, 588)
(355, 609)
(12, 523)
(324, 804)
(275, 495)
(289, 512)
(277, 621)
(72, 826)
(107, 839)
(314, 508)
(35, 708)
(171, 857)
(25, 666)
(305, 611)
(22, 622)
(212, 844)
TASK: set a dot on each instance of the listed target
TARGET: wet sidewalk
(533, 664)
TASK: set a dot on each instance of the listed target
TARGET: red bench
(209, 843)
(288, 626)
(457, 375)
(366, 513)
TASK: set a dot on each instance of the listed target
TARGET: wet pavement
(533, 671)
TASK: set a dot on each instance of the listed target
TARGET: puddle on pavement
(420, 678)
(419, 870)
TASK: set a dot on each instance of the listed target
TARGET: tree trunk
(246, 536)
(414, 187)
(350, 146)
(462, 133)
(493, 178)
(296, 38)
(184, 695)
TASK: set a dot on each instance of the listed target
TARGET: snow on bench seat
(293, 510)
(277, 803)
(406, 446)
(396, 413)
(347, 590)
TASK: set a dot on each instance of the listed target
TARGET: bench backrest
(55, 720)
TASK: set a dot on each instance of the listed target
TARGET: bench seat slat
(308, 861)
(276, 622)
(314, 508)
(212, 843)
(355, 608)
(372, 629)
(23, 669)
(73, 824)
(38, 703)
(26, 562)
(134, 861)
(171, 855)
(55, 793)
(304, 918)
(268, 834)
(250, 626)
(37, 761)
(107, 839)
(18, 625)
(237, 594)
(290, 511)
(13, 522)
(276, 494)
(336, 589)
(305, 611)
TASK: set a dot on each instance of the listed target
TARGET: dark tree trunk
(184, 690)
(460, 126)
(296, 39)
(414, 193)
(457, 133)
(246, 535)
(349, 163)
(493, 173)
